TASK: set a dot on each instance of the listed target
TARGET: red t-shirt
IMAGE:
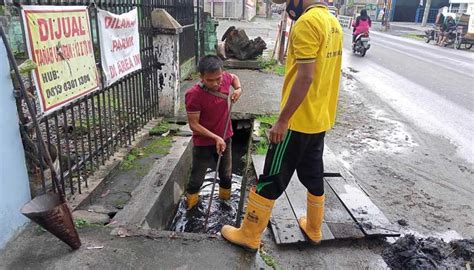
(213, 110)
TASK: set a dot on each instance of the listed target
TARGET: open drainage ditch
(169, 210)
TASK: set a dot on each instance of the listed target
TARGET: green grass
(80, 223)
(160, 129)
(40, 230)
(414, 36)
(271, 66)
(130, 160)
(159, 146)
(119, 203)
(261, 147)
(267, 118)
(269, 260)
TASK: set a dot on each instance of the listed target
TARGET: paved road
(431, 87)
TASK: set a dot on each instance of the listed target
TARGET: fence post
(166, 51)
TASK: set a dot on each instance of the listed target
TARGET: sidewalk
(403, 28)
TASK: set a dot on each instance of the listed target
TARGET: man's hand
(220, 145)
(277, 132)
(236, 95)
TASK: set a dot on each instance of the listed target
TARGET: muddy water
(222, 213)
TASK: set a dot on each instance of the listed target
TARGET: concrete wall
(166, 48)
(250, 9)
(14, 187)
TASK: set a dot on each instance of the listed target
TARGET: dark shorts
(298, 152)
(205, 157)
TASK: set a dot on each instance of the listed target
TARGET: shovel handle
(42, 144)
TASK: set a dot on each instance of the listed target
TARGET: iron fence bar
(111, 116)
(103, 127)
(76, 152)
(116, 108)
(58, 145)
(83, 149)
(48, 138)
(135, 104)
(101, 133)
(124, 113)
(68, 151)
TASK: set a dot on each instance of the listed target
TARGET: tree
(426, 13)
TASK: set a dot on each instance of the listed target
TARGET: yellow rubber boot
(255, 221)
(224, 194)
(192, 200)
(311, 224)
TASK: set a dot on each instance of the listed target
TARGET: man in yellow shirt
(308, 110)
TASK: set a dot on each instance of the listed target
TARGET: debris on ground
(402, 222)
(238, 45)
(410, 252)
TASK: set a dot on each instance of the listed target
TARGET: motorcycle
(451, 38)
(432, 34)
(361, 44)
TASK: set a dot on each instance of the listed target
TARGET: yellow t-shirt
(315, 37)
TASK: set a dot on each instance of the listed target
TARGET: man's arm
(299, 90)
(237, 87)
(193, 120)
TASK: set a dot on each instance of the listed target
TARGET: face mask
(294, 12)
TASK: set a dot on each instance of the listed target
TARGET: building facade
(231, 9)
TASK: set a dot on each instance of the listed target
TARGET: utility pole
(268, 11)
(426, 13)
(388, 14)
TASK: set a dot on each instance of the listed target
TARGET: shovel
(49, 210)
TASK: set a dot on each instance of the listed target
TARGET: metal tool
(48, 210)
(217, 168)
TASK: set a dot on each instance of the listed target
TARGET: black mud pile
(409, 252)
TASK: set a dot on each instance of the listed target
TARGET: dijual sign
(59, 41)
(119, 44)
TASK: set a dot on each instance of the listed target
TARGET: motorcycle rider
(361, 24)
(448, 29)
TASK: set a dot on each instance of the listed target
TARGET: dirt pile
(409, 252)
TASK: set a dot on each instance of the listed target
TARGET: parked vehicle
(463, 36)
(361, 44)
(432, 34)
(278, 8)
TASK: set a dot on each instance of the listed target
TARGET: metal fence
(183, 12)
(431, 15)
(84, 134)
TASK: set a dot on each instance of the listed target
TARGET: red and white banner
(119, 44)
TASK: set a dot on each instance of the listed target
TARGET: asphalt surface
(430, 85)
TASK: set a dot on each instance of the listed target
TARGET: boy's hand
(220, 145)
(236, 95)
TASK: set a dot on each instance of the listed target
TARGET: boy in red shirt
(208, 110)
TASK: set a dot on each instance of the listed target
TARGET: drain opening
(222, 212)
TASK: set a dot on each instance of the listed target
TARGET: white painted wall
(14, 187)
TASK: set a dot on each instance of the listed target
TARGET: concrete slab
(239, 64)
(261, 93)
(167, 250)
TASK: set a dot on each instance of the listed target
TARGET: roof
(461, 1)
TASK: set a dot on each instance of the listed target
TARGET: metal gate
(84, 134)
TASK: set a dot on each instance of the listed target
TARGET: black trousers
(205, 157)
(298, 151)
